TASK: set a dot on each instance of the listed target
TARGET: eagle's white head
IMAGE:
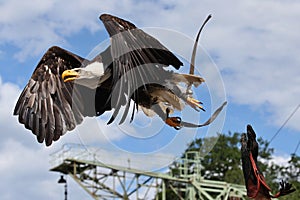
(90, 76)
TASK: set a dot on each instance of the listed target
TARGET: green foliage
(292, 173)
(222, 162)
(293, 170)
(234, 175)
(222, 159)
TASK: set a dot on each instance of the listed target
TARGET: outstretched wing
(135, 56)
(45, 105)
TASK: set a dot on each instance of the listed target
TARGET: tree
(222, 162)
(292, 173)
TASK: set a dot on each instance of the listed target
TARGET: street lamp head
(62, 180)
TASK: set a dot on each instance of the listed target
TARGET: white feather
(96, 68)
(92, 75)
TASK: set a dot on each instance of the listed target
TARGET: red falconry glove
(256, 185)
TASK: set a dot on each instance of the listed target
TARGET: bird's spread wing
(135, 56)
(45, 105)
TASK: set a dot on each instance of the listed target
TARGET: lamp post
(61, 181)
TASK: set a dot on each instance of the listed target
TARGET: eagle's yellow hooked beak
(69, 75)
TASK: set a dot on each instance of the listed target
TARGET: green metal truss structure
(106, 181)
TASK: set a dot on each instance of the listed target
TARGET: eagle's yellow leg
(194, 103)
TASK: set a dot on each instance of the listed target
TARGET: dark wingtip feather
(110, 120)
(116, 20)
(40, 136)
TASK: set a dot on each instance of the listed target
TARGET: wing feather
(45, 105)
(52, 84)
(131, 48)
(35, 86)
(59, 127)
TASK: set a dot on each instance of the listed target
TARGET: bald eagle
(64, 87)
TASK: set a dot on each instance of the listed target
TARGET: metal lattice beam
(104, 181)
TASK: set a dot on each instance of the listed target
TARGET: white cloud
(255, 45)
(258, 51)
(34, 26)
(8, 96)
(281, 160)
(25, 173)
(21, 163)
(24, 162)
(104, 155)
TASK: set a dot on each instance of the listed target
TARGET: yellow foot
(194, 103)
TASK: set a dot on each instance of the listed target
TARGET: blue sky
(253, 44)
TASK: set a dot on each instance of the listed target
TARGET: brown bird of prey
(256, 185)
(64, 87)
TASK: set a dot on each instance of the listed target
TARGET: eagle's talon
(194, 103)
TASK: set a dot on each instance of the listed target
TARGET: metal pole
(66, 191)
(62, 180)
(163, 190)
